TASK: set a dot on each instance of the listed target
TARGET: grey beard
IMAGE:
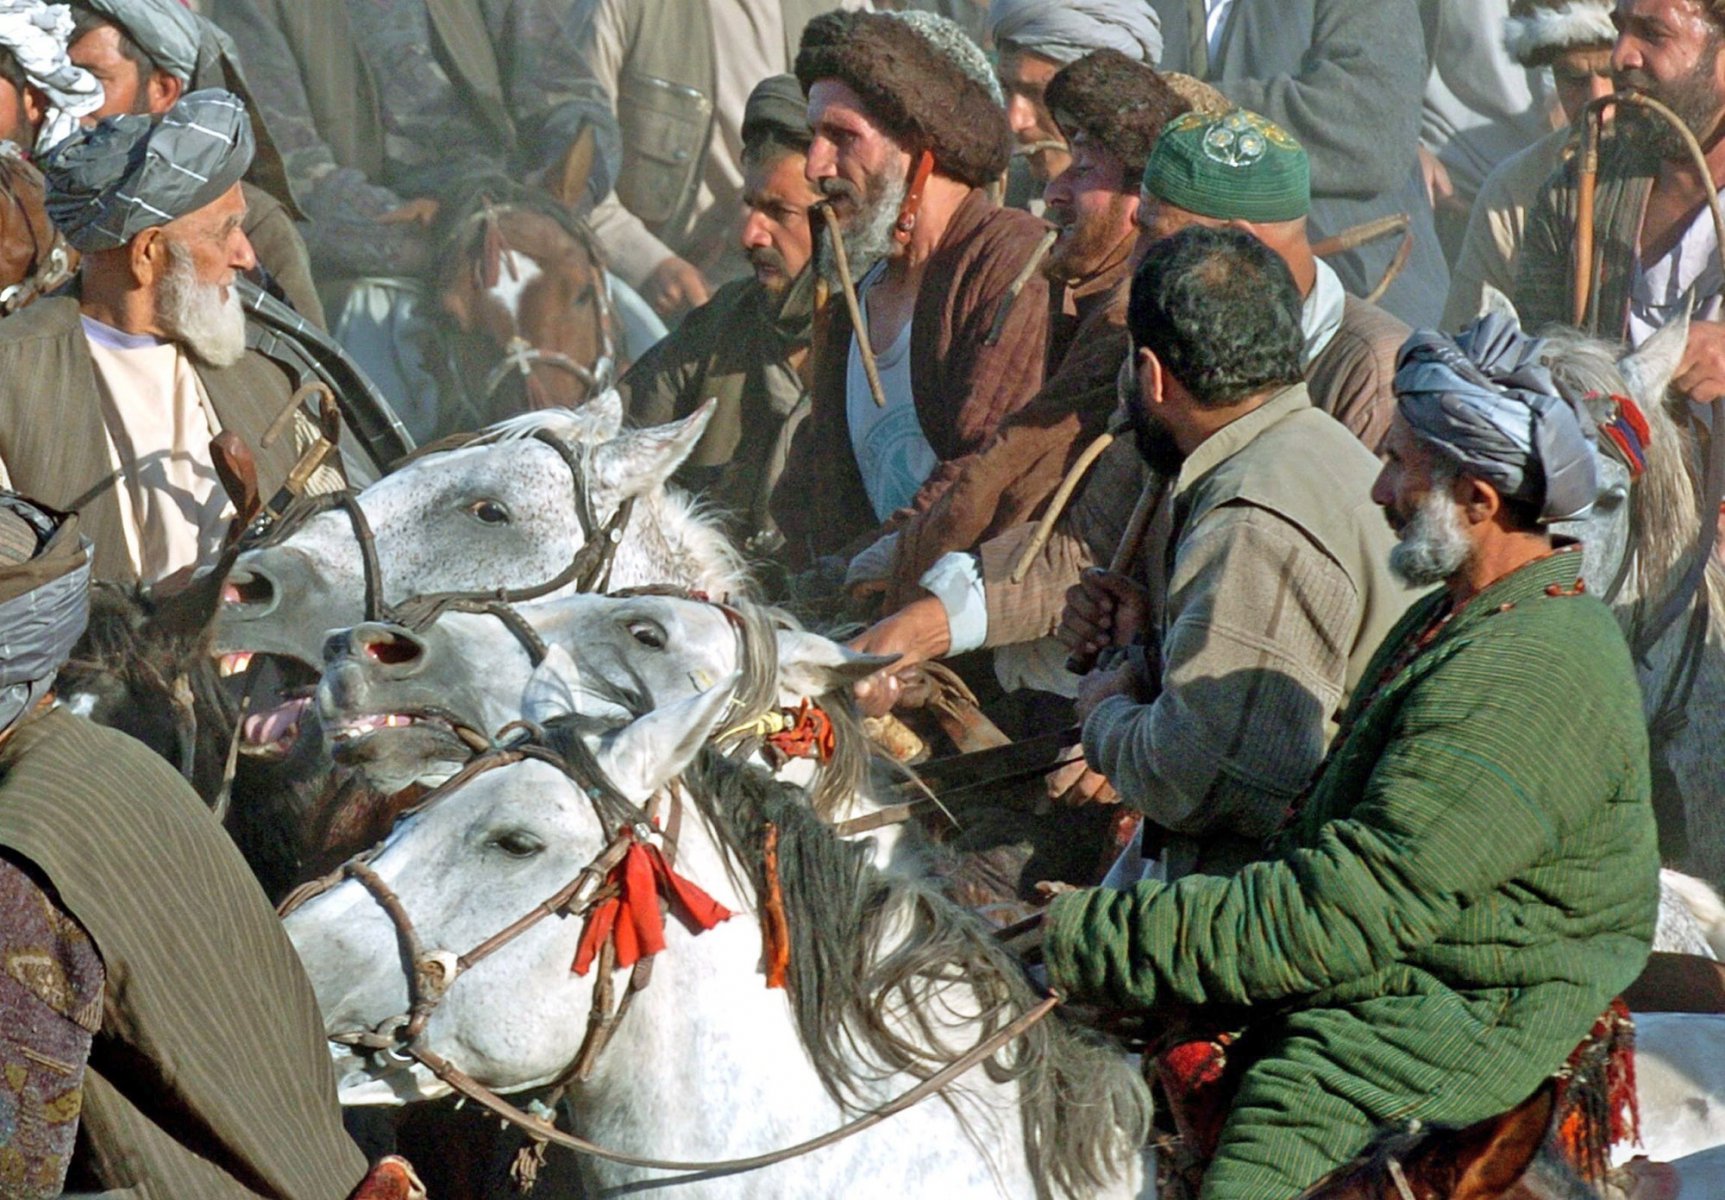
(193, 313)
(871, 238)
(1433, 544)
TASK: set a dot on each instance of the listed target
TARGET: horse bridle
(588, 570)
(432, 973)
(520, 356)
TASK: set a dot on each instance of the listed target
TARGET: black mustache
(766, 256)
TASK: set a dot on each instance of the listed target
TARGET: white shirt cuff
(956, 581)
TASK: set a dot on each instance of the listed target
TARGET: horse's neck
(708, 1065)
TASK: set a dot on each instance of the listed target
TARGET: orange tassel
(775, 929)
(632, 918)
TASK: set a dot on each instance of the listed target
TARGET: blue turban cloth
(1067, 30)
(108, 184)
(44, 600)
(1482, 400)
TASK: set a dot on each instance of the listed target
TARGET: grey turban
(108, 184)
(44, 600)
(1067, 30)
(166, 30)
(1483, 400)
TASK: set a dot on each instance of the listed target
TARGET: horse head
(524, 288)
(505, 512)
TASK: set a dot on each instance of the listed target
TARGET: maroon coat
(964, 382)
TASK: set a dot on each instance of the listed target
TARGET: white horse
(501, 511)
(394, 702)
(887, 982)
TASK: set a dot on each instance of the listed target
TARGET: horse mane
(871, 957)
(703, 550)
(1665, 513)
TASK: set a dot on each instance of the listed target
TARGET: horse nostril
(388, 646)
(246, 587)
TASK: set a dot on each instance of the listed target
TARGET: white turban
(1067, 30)
(36, 34)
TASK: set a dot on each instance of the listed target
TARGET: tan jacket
(1270, 584)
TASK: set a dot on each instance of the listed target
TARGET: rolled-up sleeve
(1254, 658)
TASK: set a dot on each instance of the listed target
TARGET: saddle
(1555, 1145)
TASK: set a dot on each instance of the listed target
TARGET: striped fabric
(209, 1077)
(1472, 880)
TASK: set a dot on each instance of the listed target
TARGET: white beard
(869, 239)
(195, 314)
(1433, 544)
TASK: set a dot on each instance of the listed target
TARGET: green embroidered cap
(1234, 167)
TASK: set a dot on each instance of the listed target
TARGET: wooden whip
(1124, 553)
(859, 324)
(1056, 506)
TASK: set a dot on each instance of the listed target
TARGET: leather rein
(433, 972)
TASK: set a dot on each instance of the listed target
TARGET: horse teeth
(234, 664)
(396, 721)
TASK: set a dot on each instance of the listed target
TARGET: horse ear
(1494, 303)
(641, 460)
(550, 690)
(811, 665)
(649, 752)
(1649, 370)
(602, 416)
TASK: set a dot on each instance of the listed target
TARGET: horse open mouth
(360, 737)
(280, 690)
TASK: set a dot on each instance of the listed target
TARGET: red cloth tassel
(632, 917)
(775, 928)
(812, 736)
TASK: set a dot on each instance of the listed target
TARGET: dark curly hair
(1221, 311)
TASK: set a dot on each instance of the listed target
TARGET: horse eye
(648, 634)
(489, 512)
(518, 843)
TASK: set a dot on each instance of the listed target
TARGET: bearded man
(149, 53)
(908, 134)
(980, 597)
(1035, 39)
(748, 346)
(1113, 110)
(1655, 249)
(152, 952)
(1473, 877)
(108, 401)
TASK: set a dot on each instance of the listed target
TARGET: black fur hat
(1119, 102)
(916, 91)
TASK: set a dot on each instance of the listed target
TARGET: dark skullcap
(44, 600)
(166, 30)
(777, 109)
(1483, 400)
(108, 184)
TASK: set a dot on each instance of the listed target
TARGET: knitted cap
(1537, 31)
(924, 93)
(1237, 167)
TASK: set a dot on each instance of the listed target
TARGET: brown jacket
(51, 440)
(1012, 478)
(1351, 380)
(965, 381)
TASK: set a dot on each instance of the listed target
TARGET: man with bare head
(909, 133)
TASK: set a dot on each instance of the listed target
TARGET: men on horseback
(748, 346)
(157, 1033)
(109, 400)
(1655, 250)
(1473, 877)
(909, 133)
(149, 53)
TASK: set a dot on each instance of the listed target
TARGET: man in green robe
(1473, 877)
